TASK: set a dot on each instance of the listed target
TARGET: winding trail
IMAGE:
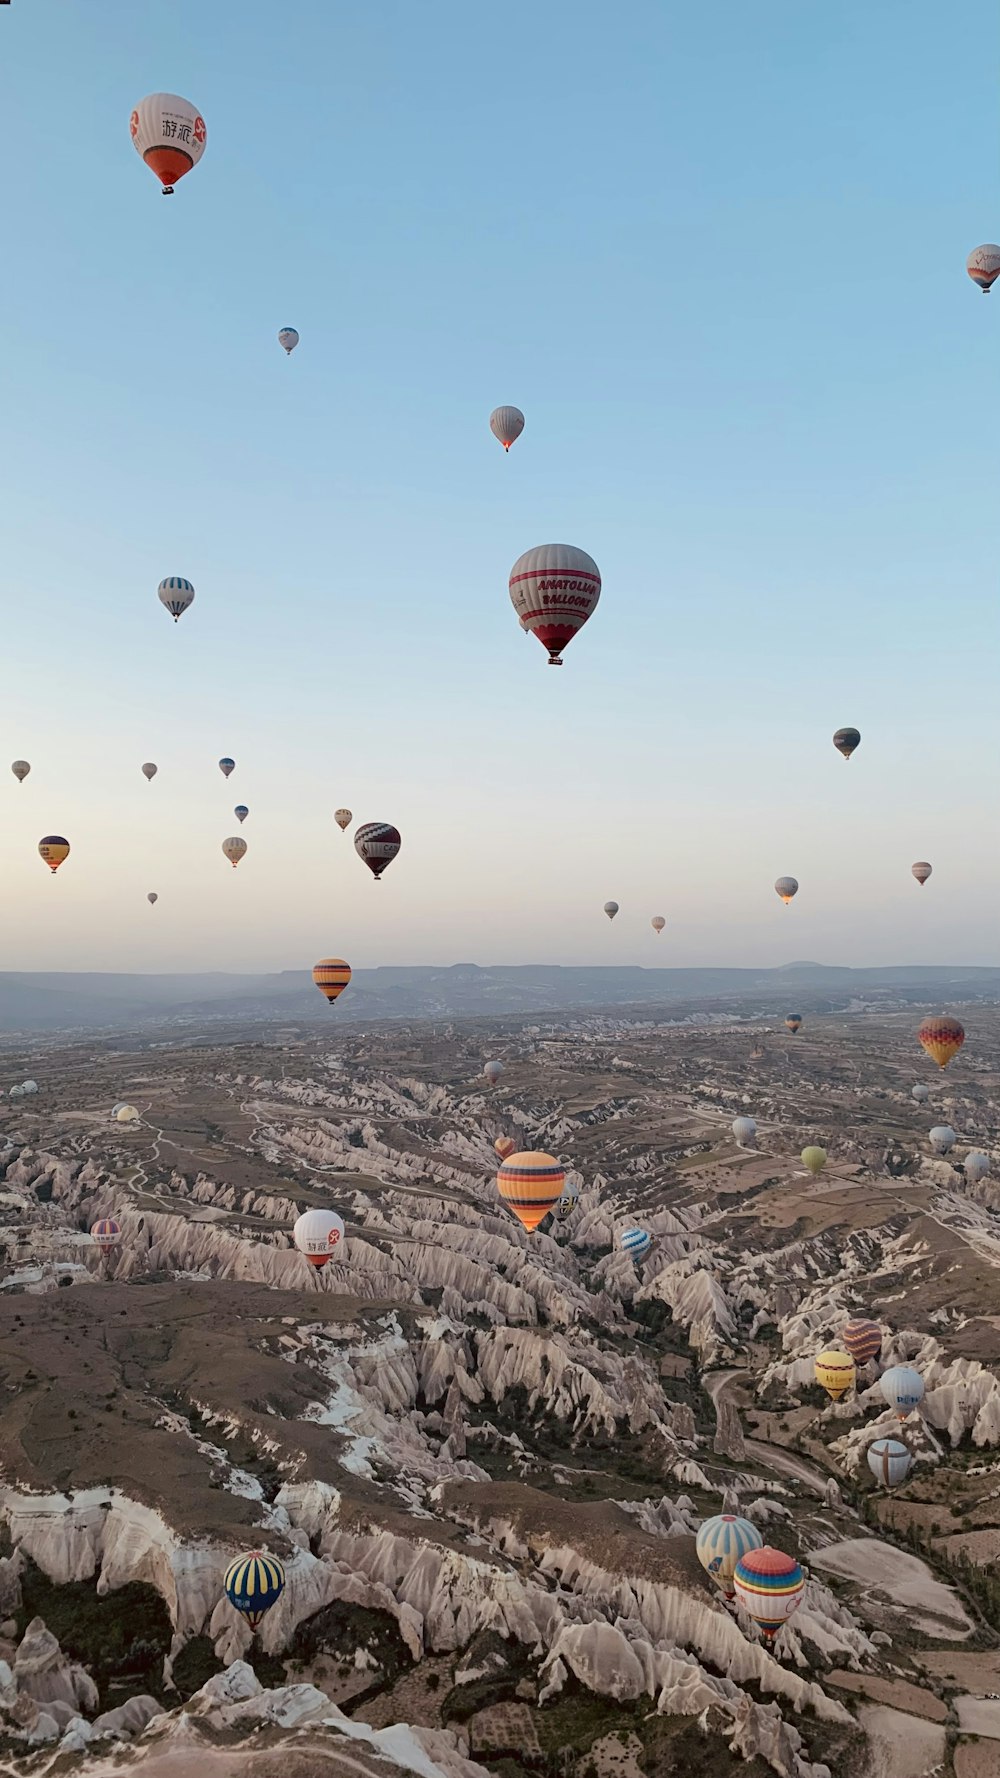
(718, 1385)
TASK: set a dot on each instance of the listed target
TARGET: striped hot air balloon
(769, 1586)
(376, 844)
(234, 849)
(107, 1232)
(176, 594)
(721, 1543)
(635, 1242)
(331, 975)
(530, 1183)
(835, 1372)
(942, 1037)
(507, 425)
(253, 1583)
(554, 589)
(921, 870)
(903, 1389)
(53, 850)
(889, 1461)
(862, 1339)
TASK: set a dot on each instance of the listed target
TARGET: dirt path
(719, 1385)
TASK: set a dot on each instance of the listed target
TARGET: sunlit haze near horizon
(717, 256)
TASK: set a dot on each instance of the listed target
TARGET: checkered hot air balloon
(253, 1583)
(376, 844)
(531, 1182)
(721, 1543)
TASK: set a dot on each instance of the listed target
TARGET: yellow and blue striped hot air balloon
(769, 1586)
(531, 1183)
(721, 1543)
(254, 1583)
(331, 975)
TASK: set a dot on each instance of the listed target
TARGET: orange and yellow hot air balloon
(54, 850)
(531, 1183)
(942, 1037)
(504, 1146)
(331, 975)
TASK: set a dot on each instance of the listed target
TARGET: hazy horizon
(724, 279)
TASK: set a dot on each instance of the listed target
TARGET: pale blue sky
(716, 253)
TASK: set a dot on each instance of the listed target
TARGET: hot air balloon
(253, 1583)
(149, 771)
(976, 1166)
(921, 870)
(942, 1138)
(152, 898)
(920, 1094)
(169, 133)
(786, 887)
(835, 1372)
(554, 589)
(983, 266)
(376, 844)
(29, 1086)
(942, 1037)
(745, 1132)
(107, 1233)
(493, 1071)
(903, 1388)
(719, 1545)
(241, 812)
(568, 1199)
(504, 1146)
(635, 1242)
(234, 849)
(126, 1114)
(288, 338)
(176, 594)
(343, 818)
(862, 1339)
(814, 1158)
(54, 850)
(318, 1234)
(227, 767)
(846, 740)
(793, 1022)
(530, 1183)
(20, 769)
(889, 1461)
(769, 1586)
(506, 424)
(331, 975)
(657, 922)
(611, 909)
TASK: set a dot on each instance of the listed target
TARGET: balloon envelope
(846, 740)
(149, 771)
(234, 849)
(635, 1242)
(253, 1583)
(530, 1182)
(977, 1166)
(241, 812)
(504, 1146)
(889, 1461)
(769, 1586)
(53, 850)
(376, 844)
(862, 1339)
(107, 1233)
(793, 1022)
(493, 1071)
(903, 1388)
(343, 818)
(942, 1138)
(289, 338)
(942, 1037)
(331, 975)
(20, 769)
(920, 1093)
(835, 1372)
(786, 887)
(720, 1544)
(814, 1158)
(611, 909)
(318, 1234)
(983, 265)
(152, 898)
(657, 922)
(176, 594)
(169, 133)
(921, 871)
(227, 766)
(745, 1131)
(506, 424)
(554, 589)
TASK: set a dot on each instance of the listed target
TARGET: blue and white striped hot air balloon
(721, 1543)
(253, 1583)
(176, 594)
(635, 1242)
(889, 1461)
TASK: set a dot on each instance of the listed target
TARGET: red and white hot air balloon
(983, 266)
(554, 589)
(376, 844)
(169, 133)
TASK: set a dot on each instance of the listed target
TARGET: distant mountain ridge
(56, 1001)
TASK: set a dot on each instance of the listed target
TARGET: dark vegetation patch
(338, 1630)
(121, 1638)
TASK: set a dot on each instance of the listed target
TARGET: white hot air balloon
(745, 1131)
(942, 1138)
(343, 818)
(149, 771)
(983, 266)
(786, 887)
(493, 1071)
(976, 1166)
(20, 769)
(234, 849)
(611, 909)
(506, 424)
(319, 1234)
(288, 338)
(152, 898)
(554, 589)
(126, 1114)
(176, 594)
(657, 922)
(920, 1094)
(169, 133)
